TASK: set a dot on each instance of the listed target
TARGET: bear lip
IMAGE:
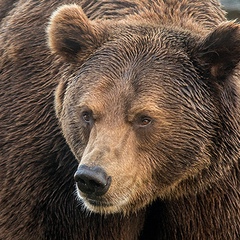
(97, 203)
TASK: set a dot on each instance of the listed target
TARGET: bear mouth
(97, 203)
(101, 207)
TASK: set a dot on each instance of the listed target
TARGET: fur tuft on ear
(72, 35)
(220, 50)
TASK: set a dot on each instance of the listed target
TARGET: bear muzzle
(92, 181)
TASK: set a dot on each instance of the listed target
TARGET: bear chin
(102, 207)
(106, 206)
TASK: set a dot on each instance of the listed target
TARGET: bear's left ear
(72, 35)
(219, 52)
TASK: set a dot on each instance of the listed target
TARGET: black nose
(92, 180)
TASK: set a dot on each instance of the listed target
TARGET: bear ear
(72, 35)
(220, 50)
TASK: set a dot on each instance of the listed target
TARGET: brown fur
(37, 195)
(127, 63)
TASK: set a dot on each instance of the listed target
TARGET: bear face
(142, 111)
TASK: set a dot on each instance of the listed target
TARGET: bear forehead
(134, 70)
(138, 54)
(117, 93)
(145, 43)
(112, 97)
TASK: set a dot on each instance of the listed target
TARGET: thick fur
(170, 64)
(37, 195)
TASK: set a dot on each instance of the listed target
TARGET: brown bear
(151, 112)
(147, 101)
(37, 194)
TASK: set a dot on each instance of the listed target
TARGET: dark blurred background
(232, 7)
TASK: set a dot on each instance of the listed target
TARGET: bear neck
(211, 214)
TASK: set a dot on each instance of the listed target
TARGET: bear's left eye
(144, 121)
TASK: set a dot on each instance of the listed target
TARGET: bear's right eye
(87, 117)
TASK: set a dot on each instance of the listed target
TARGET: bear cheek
(73, 133)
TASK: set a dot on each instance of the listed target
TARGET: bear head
(142, 107)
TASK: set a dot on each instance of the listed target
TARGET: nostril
(92, 180)
(81, 181)
(95, 184)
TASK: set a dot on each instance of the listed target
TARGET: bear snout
(93, 181)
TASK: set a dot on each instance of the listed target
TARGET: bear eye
(144, 121)
(87, 117)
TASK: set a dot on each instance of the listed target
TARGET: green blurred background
(232, 7)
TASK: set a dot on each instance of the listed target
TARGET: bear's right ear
(72, 35)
